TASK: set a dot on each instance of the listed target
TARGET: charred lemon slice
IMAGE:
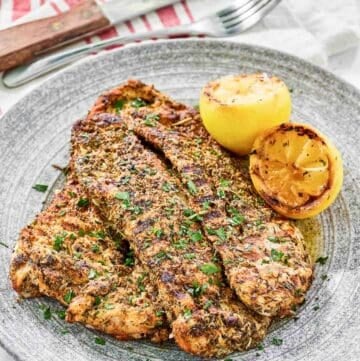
(235, 109)
(296, 170)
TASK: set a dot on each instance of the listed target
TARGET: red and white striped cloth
(305, 28)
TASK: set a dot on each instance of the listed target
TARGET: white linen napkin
(313, 30)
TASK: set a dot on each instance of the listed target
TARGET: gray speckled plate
(35, 134)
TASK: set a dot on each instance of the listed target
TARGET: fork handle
(23, 74)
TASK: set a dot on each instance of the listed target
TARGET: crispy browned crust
(87, 263)
(264, 256)
(136, 193)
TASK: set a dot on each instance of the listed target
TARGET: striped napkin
(312, 30)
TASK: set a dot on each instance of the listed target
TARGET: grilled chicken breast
(139, 196)
(68, 254)
(263, 255)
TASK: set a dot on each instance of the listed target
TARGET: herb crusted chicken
(68, 254)
(264, 257)
(118, 173)
(209, 263)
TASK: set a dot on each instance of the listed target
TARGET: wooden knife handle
(21, 43)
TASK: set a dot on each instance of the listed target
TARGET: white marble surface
(346, 65)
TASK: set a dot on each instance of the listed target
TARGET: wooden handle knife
(21, 43)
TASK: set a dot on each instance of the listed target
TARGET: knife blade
(23, 42)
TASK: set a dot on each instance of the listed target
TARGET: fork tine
(233, 7)
(243, 12)
(250, 17)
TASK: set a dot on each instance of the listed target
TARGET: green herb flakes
(322, 260)
(100, 341)
(124, 196)
(4, 244)
(187, 313)
(276, 341)
(47, 313)
(69, 295)
(40, 187)
(276, 256)
(119, 105)
(83, 202)
(150, 120)
(191, 187)
(61, 314)
(59, 241)
(138, 103)
(95, 248)
(130, 259)
(209, 268)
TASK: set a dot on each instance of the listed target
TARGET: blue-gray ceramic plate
(35, 134)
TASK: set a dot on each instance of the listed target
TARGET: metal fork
(233, 19)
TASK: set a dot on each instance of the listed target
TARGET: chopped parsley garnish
(97, 301)
(83, 202)
(197, 289)
(208, 304)
(196, 236)
(140, 284)
(316, 308)
(322, 260)
(192, 187)
(276, 341)
(196, 217)
(181, 244)
(4, 244)
(129, 260)
(92, 274)
(158, 232)
(236, 218)
(189, 255)
(220, 232)
(59, 241)
(100, 341)
(72, 194)
(69, 295)
(122, 196)
(276, 256)
(209, 268)
(167, 187)
(324, 277)
(118, 105)
(224, 182)
(162, 255)
(160, 313)
(47, 313)
(138, 103)
(150, 120)
(40, 187)
(95, 248)
(61, 314)
(187, 313)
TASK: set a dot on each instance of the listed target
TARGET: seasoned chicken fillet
(68, 254)
(137, 193)
(264, 256)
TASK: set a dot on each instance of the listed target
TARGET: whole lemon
(235, 109)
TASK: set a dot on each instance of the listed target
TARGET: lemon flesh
(235, 109)
(296, 170)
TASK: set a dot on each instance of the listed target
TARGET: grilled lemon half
(296, 170)
(235, 109)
